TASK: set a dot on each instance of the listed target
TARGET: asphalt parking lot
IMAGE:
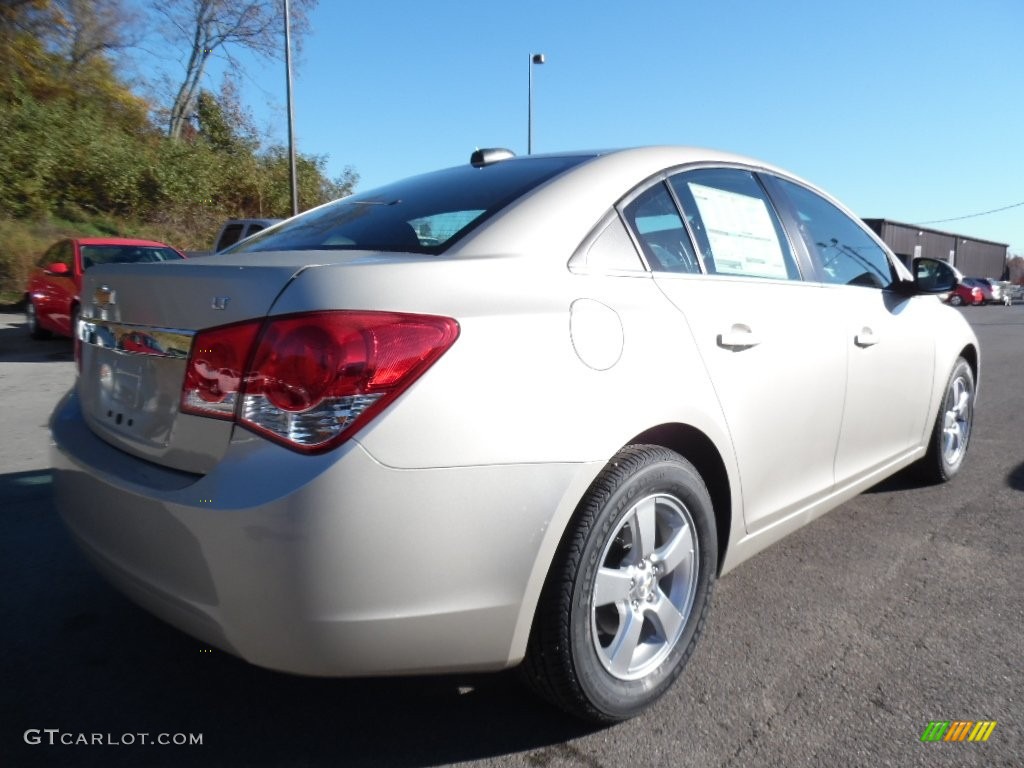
(835, 647)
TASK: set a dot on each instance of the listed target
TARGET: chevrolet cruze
(522, 411)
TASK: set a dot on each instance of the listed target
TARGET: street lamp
(535, 58)
(293, 182)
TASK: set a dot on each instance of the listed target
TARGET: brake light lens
(310, 381)
(216, 368)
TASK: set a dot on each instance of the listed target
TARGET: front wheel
(32, 322)
(953, 425)
(630, 588)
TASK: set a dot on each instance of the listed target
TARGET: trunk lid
(138, 323)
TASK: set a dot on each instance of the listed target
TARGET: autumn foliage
(80, 148)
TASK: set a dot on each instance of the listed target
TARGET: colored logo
(958, 730)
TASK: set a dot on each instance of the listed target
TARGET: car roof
(540, 222)
(116, 241)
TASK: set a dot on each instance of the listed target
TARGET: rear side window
(734, 223)
(659, 229)
(848, 255)
(422, 214)
(232, 234)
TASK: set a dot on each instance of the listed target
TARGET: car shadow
(907, 479)
(83, 659)
(16, 346)
(1016, 478)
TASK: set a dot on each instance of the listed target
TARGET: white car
(521, 411)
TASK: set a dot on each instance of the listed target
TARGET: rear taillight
(311, 380)
(216, 367)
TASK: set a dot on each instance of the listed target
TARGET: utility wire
(974, 215)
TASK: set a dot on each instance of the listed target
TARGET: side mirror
(59, 268)
(934, 276)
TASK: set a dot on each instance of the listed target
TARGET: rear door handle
(865, 338)
(738, 337)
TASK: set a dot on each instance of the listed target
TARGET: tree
(203, 27)
(224, 122)
(63, 48)
(24, 25)
(93, 28)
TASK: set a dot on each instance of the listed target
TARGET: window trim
(805, 265)
(808, 264)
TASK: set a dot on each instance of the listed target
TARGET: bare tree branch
(94, 27)
(205, 26)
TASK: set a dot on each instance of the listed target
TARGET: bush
(79, 156)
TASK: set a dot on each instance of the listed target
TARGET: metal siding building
(973, 257)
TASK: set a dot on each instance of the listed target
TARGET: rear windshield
(422, 214)
(126, 254)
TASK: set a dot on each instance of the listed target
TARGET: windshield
(422, 214)
(126, 254)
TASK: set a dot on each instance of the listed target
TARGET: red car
(966, 294)
(56, 279)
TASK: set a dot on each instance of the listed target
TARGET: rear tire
(955, 300)
(629, 591)
(954, 423)
(32, 321)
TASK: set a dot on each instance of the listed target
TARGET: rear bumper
(325, 565)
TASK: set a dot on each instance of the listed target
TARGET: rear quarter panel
(512, 388)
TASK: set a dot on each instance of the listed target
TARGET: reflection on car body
(140, 343)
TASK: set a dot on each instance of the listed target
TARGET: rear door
(779, 373)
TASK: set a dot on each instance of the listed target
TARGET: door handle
(865, 338)
(738, 337)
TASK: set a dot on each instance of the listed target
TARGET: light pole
(291, 111)
(535, 58)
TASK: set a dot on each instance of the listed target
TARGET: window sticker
(741, 233)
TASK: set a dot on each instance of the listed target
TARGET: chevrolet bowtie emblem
(221, 302)
(104, 297)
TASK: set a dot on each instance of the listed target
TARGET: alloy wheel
(956, 419)
(644, 589)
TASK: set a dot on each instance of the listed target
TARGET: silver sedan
(522, 411)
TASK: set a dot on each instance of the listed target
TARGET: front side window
(734, 224)
(422, 214)
(59, 253)
(845, 251)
